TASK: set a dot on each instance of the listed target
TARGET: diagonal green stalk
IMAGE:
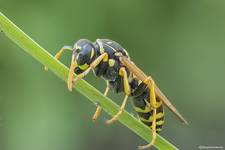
(40, 54)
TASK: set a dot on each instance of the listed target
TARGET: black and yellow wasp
(110, 60)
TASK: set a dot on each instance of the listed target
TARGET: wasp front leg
(103, 57)
(123, 73)
(99, 108)
(59, 54)
(153, 105)
(70, 78)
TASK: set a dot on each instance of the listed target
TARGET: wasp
(110, 61)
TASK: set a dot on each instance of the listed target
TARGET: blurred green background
(181, 44)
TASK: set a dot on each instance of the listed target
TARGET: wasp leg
(73, 65)
(99, 108)
(71, 79)
(122, 73)
(153, 106)
(58, 55)
(103, 57)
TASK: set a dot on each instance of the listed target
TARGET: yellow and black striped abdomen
(141, 106)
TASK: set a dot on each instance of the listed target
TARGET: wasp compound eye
(85, 55)
(82, 59)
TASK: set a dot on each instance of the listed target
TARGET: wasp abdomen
(141, 105)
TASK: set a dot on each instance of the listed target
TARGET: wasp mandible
(110, 61)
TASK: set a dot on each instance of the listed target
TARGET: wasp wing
(142, 76)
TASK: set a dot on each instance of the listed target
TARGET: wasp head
(83, 53)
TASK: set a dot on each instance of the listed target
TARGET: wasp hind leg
(153, 105)
(123, 73)
(59, 54)
(99, 108)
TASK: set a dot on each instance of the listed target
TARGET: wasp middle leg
(99, 108)
(123, 73)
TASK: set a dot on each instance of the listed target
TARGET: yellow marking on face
(111, 62)
(84, 66)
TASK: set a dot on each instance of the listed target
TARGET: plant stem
(40, 54)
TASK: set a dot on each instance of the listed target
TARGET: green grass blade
(40, 54)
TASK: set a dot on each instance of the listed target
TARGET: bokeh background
(181, 44)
